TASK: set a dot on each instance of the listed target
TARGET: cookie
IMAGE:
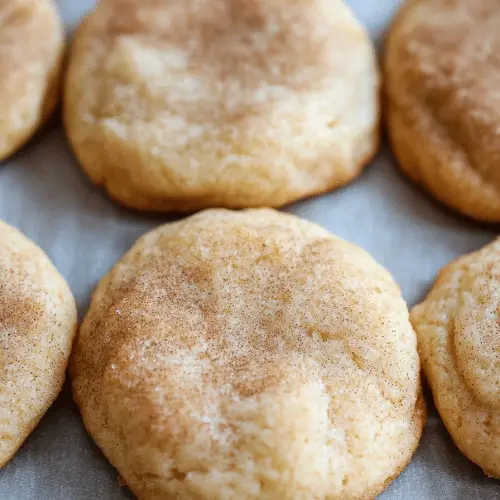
(31, 50)
(179, 106)
(249, 355)
(37, 327)
(459, 341)
(442, 104)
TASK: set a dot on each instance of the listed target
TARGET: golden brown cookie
(459, 342)
(37, 326)
(249, 355)
(31, 50)
(443, 111)
(187, 105)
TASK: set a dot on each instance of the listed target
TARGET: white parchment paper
(44, 193)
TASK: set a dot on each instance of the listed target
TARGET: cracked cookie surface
(459, 342)
(249, 355)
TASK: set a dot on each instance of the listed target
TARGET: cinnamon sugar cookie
(443, 108)
(459, 342)
(249, 355)
(187, 105)
(37, 326)
(31, 49)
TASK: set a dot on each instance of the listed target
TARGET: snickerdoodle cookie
(443, 105)
(37, 326)
(174, 105)
(249, 355)
(459, 342)
(31, 49)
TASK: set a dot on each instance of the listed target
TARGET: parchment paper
(44, 193)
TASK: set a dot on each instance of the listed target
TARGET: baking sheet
(44, 193)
